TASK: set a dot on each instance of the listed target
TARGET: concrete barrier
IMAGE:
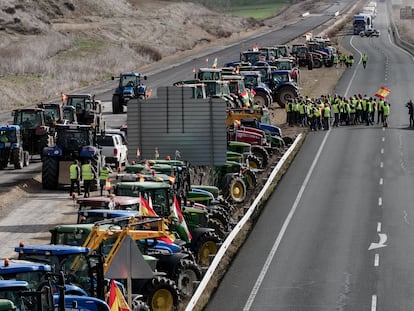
(240, 232)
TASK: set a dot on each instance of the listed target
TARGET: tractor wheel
(251, 179)
(219, 215)
(270, 99)
(18, 160)
(284, 94)
(236, 190)
(254, 162)
(3, 165)
(206, 246)
(26, 158)
(317, 63)
(218, 228)
(139, 305)
(261, 99)
(187, 275)
(141, 97)
(116, 104)
(162, 294)
(50, 173)
(262, 154)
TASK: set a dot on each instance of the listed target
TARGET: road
(37, 211)
(337, 232)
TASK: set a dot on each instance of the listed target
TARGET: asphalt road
(337, 232)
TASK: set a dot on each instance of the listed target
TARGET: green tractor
(201, 240)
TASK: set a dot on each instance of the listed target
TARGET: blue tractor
(11, 147)
(33, 286)
(130, 86)
(72, 142)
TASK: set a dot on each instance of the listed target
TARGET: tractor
(73, 142)
(283, 86)
(88, 110)
(36, 134)
(130, 86)
(11, 147)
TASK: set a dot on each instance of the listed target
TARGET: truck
(11, 147)
(362, 22)
(130, 86)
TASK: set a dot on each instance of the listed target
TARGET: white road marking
(381, 164)
(278, 240)
(382, 150)
(382, 240)
(381, 181)
(376, 260)
(374, 303)
(379, 201)
(383, 139)
(379, 227)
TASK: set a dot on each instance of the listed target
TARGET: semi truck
(362, 22)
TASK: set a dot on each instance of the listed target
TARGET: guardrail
(208, 283)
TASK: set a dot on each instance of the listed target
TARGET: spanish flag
(64, 97)
(116, 300)
(382, 92)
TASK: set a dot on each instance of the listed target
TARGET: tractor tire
(26, 158)
(284, 94)
(218, 228)
(261, 99)
(207, 245)
(235, 190)
(187, 276)
(223, 220)
(254, 162)
(262, 154)
(251, 179)
(116, 104)
(17, 155)
(317, 63)
(162, 294)
(139, 305)
(50, 173)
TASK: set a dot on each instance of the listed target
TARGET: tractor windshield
(129, 81)
(8, 136)
(28, 119)
(74, 139)
(52, 113)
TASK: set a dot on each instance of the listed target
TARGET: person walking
(364, 60)
(75, 176)
(410, 107)
(386, 113)
(104, 176)
(88, 175)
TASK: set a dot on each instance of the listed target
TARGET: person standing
(88, 175)
(386, 113)
(380, 115)
(326, 116)
(410, 107)
(104, 176)
(75, 176)
(364, 60)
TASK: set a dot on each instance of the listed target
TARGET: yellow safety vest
(104, 173)
(73, 171)
(87, 172)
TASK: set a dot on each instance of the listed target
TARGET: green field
(258, 9)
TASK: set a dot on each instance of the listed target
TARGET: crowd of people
(333, 111)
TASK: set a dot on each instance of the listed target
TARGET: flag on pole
(172, 179)
(382, 92)
(255, 48)
(176, 211)
(116, 300)
(64, 97)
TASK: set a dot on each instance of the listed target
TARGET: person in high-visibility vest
(88, 175)
(104, 176)
(364, 60)
(75, 175)
(386, 113)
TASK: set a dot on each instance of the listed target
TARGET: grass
(258, 11)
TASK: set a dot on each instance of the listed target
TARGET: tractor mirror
(145, 77)
(112, 78)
